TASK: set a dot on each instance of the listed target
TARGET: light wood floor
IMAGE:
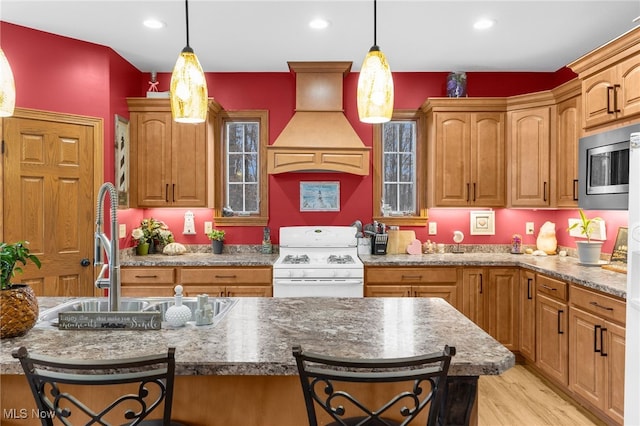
(519, 397)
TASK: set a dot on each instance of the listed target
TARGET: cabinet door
(527, 329)
(387, 291)
(552, 338)
(188, 186)
(530, 145)
(568, 132)
(473, 295)
(597, 92)
(446, 292)
(191, 290)
(152, 150)
(452, 159)
(628, 97)
(615, 353)
(501, 306)
(487, 174)
(248, 291)
(587, 367)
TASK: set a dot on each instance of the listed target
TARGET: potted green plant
(18, 303)
(217, 237)
(588, 251)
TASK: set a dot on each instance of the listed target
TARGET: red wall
(65, 75)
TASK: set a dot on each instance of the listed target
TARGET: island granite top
(257, 334)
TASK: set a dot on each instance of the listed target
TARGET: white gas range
(318, 261)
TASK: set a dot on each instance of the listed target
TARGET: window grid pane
(399, 166)
(242, 176)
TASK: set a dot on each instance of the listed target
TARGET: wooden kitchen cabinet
(529, 142)
(413, 282)
(466, 152)
(169, 161)
(490, 299)
(597, 350)
(552, 337)
(214, 281)
(610, 78)
(527, 323)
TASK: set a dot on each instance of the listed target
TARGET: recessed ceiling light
(153, 23)
(319, 24)
(483, 24)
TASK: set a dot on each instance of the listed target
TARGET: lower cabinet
(596, 350)
(552, 337)
(413, 282)
(214, 281)
(527, 323)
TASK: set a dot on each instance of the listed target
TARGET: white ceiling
(416, 35)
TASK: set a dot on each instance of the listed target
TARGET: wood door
(552, 338)
(629, 93)
(446, 292)
(527, 330)
(151, 159)
(530, 145)
(248, 291)
(473, 295)
(615, 351)
(191, 290)
(587, 367)
(568, 132)
(188, 187)
(487, 159)
(49, 186)
(501, 306)
(387, 291)
(597, 97)
(452, 159)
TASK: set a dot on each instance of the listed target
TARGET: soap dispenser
(204, 312)
(178, 314)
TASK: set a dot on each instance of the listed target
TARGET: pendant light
(375, 84)
(188, 85)
(7, 87)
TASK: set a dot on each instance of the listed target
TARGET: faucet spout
(108, 246)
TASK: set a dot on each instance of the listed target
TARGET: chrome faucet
(109, 246)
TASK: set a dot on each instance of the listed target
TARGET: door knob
(85, 262)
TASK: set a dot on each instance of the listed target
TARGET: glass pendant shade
(375, 88)
(188, 89)
(7, 87)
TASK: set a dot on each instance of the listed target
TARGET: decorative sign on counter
(109, 320)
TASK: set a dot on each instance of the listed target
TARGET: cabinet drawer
(411, 275)
(599, 304)
(147, 275)
(552, 287)
(217, 276)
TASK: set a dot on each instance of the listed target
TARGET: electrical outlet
(122, 231)
(433, 228)
(529, 228)
(208, 226)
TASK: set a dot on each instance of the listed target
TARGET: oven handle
(317, 281)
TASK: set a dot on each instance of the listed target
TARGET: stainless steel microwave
(603, 169)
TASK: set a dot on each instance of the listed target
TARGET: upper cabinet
(466, 152)
(611, 81)
(169, 160)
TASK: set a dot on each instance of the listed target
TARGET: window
(399, 172)
(241, 181)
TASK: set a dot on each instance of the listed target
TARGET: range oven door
(291, 287)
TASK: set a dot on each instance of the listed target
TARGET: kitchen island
(241, 370)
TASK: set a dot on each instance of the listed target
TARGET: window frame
(261, 218)
(420, 218)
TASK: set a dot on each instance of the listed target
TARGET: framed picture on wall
(620, 247)
(482, 222)
(319, 196)
(121, 135)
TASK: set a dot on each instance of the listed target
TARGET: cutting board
(399, 240)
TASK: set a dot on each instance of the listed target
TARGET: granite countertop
(563, 268)
(256, 336)
(200, 259)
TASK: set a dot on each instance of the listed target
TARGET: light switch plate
(122, 231)
(433, 228)
(208, 226)
(529, 228)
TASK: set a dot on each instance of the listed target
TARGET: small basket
(379, 243)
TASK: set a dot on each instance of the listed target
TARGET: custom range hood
(318, 137)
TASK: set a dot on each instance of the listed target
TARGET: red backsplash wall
(65, 75)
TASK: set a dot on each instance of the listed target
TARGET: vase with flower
(151, 236)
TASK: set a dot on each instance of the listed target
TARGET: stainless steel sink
(220, 307)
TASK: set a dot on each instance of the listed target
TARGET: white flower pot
(589, 252)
